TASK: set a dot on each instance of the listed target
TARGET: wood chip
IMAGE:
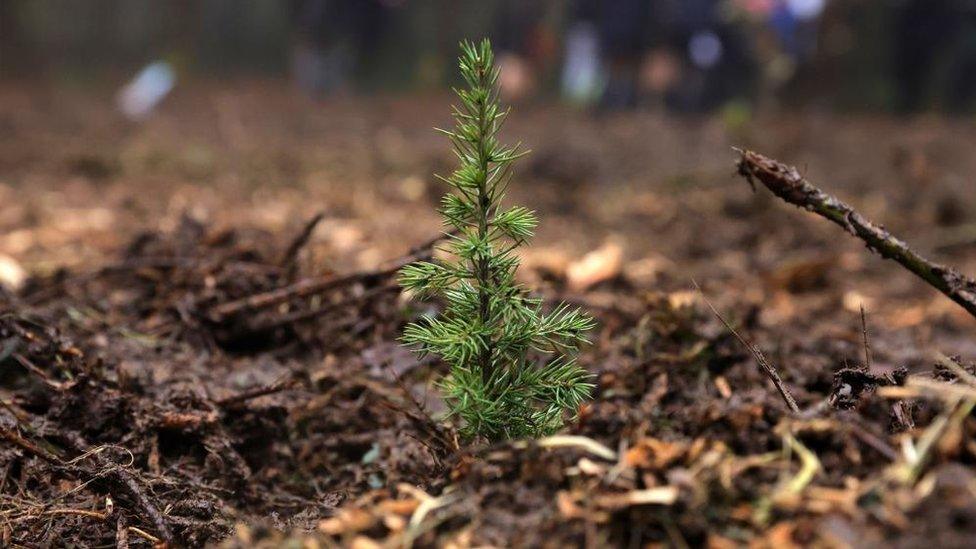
(663, 495)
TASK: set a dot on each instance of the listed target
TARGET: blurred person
(718, 65)
(623, 30)
(922, 30)
(684, 52)
(334, 37)
(625, 34)
(582, 75)
(933, 37)
(524, 44)
(795, 24)
(785, 34)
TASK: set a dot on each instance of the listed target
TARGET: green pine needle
(512, 367)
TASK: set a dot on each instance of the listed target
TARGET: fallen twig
(12, 437)
(867, 342)
(280, 385)
(80, 512)
(126, 483)
(32, 368)
(288, 258)
(315, 285)
(861, 432)
(260, 324)
(114, 474)
(303, 288)
(764, 363)
(145, 535)
(787, 183)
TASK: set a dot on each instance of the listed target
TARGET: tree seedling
(513, 371)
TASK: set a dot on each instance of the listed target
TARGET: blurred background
(124, 116)
(679, 55)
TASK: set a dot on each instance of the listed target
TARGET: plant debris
(210, 362)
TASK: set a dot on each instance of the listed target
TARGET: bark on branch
(787, 183)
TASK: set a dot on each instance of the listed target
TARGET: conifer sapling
(512, 366)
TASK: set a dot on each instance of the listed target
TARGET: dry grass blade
(809, 466)
(428, 504)
(916, 387)
(916, 455)
(660, 495)
(764, 363)
(570, 441)
(956, 369)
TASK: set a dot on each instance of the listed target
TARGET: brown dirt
(138, 404)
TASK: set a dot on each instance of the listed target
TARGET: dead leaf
(651, 453)
(802, 274)
(394, 522)
(600, 265)
(853, 301)
(682, 299)
(644, 272)
(780, 536)
(567, 506)
(404, 507)
(12, 275)
(723, 387)
(362, 542)
(347, 521)
(413, 188)
(545, 262)
(716, 541)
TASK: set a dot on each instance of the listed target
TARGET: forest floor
(190, 353)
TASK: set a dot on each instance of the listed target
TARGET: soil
(205, 351)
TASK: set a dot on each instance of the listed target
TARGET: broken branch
(787, 183)
(280, 385)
